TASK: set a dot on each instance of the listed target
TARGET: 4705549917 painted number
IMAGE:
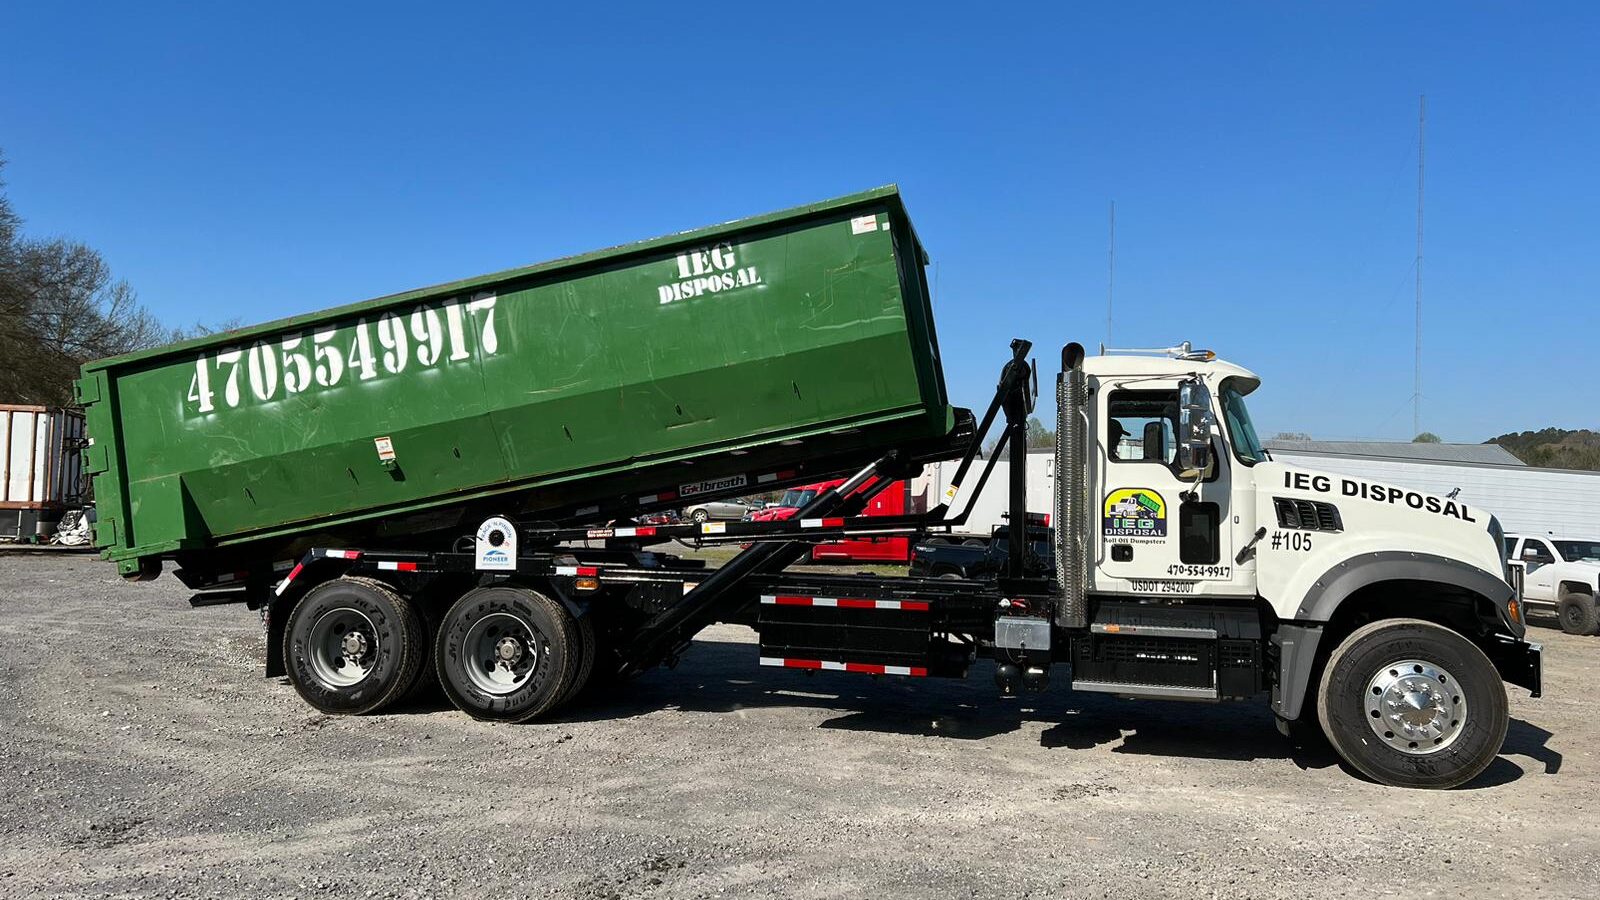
(323, 359)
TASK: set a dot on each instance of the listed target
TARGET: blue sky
(1262, 156)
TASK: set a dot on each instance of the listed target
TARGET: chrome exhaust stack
(1072, 502)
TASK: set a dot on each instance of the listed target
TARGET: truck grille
(1308, 515)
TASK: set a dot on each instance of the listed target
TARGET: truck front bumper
(1520, 662)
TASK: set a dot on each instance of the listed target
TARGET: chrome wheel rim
(344, 647)
(502, 652)
(1416, 707)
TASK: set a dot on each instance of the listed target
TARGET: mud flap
(1519, 662)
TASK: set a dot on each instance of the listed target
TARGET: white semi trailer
(985, 506)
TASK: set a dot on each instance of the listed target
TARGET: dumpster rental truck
(449, 483)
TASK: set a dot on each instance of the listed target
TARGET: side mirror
(1194, 427)
(1529, 554)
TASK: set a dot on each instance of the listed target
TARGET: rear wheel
(1413, 704)
(1577, 613)
(508, 654)
(588, 650)
(353, 645)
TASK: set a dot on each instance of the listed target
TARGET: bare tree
(59, 308)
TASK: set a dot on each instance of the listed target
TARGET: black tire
(1578, 614)
(1474, 685)
(606, 679)
(546, 639)
(425, 684)
(588, 648)
(391, 646)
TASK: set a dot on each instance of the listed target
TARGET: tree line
(61, 306)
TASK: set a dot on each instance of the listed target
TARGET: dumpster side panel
(765, 335)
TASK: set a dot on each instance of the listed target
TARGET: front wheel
(1577, 613)
(1413, 704)
(508, 654)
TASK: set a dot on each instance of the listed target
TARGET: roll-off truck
(448, 484)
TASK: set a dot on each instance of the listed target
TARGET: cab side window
(1142, 426)
(1511, 547)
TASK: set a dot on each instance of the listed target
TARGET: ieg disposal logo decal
(1135, 513)
(709, 270)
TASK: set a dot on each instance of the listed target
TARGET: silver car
(727, 510)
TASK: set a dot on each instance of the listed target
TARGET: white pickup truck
(1561, 577)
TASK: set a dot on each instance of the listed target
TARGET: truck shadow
(722, 677)
(1524, 738)
(718, 677)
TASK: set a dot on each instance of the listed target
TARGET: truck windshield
(795, 499)
(1241, 431)
(1579, 551)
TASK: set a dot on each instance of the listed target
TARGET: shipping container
(792, 344)
(40, 467)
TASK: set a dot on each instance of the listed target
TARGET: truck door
(1538, 562)
(1159, 533)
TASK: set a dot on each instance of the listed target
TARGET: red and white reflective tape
(831, 666)
(822, 523)
(640, 531)
(663, 497)
(398, 566)
(231, 577)
(284, 584)
(845, 602)
(578, 571)
(315, 554)
(774, 476)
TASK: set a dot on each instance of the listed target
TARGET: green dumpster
(684, 361)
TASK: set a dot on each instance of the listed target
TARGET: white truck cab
(1386, 614)
(1560, 576)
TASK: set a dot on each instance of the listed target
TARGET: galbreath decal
(1350, 487)
(696, 488)
(1135, 513)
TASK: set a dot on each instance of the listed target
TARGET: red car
(891, 502)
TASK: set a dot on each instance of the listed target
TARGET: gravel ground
(143, 755)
